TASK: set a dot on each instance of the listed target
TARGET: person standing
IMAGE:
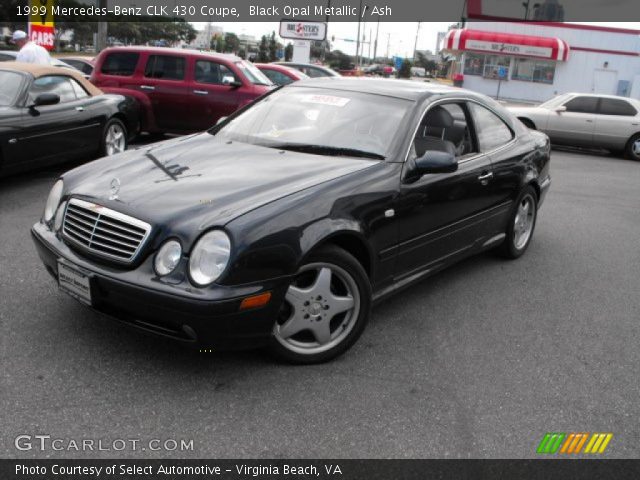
(29, 51)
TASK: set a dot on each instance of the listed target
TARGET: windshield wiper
(327, 150)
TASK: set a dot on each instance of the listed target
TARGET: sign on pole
(302, 30)
(41, 29)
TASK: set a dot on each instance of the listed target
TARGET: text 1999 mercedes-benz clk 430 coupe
(281, 225)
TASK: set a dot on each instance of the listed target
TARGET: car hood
(202, 179)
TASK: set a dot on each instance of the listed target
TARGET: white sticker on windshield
(325, 100)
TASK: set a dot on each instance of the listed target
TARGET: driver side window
(444, 128)
(56, 84)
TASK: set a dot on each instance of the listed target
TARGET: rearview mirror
(436, 162)
(46, 99)
(560, 109)
(230, 81)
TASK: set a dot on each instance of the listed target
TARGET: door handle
(147, 87)
(80, 109)
(485, 177)
(201, 92)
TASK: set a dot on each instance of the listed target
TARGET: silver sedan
(587, 120)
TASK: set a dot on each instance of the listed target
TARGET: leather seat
(432, 132)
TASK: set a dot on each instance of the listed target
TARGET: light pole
(375, 45)
(358, 37)
(415, 45)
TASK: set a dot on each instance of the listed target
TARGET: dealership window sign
(303, 30)
(41, 28)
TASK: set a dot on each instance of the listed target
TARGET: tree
(424, 62)
(217, 43)
(288, 52)
(405, 69)
(273, 47)
(263, 50)
(231, 42)
(339, 60)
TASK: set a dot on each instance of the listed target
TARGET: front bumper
(205, 318)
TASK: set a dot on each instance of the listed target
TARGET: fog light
(256, 301)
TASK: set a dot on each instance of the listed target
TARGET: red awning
(506, 44)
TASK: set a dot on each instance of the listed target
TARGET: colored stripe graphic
(572, 443)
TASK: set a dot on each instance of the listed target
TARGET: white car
(587, 120)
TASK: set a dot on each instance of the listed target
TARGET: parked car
(587, 120)
(279, 74)
(179, 91)
(11, 55)
(282, 224)
(310, 69)
(49, 114)
(84, 64)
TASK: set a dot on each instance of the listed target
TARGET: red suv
(179, 91)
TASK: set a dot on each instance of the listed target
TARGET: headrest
(438, 117)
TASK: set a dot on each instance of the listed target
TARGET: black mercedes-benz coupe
(281, 225)
(50, 114)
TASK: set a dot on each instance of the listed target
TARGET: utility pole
(358, 37)
(388, 41)
(415, 45)
(375, 45)
(101, 37)
(370, 37)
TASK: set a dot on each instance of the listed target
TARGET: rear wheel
(633, 148)
(326, 308)
(114, 138)
(521, 224)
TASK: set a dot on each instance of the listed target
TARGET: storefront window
(496, 67)
(473, 64)
(531, 70)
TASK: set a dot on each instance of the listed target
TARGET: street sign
(41, 28)
(303, 30)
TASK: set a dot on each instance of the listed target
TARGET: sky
(400, 36)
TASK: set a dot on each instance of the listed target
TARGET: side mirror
(436, 162)
(220, 120)
(46, 99)
(560, 109)
(230, 81)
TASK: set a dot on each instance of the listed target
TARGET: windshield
(9, 87)
(555, 101)
(254, 75)
(321, 121)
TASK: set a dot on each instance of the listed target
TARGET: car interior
(444, 128)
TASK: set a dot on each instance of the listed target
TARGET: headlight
(209, 257)
(52, 202)
(168, 257)
(57, 223)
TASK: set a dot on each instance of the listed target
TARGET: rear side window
(165, 67)
(314, 72)
(277, 77)
(120, 63)
(582, 105)
(612, 106)
(492, 132)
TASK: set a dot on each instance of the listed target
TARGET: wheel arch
(353, 242)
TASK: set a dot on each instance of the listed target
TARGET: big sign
(41, 29)
(303, 30)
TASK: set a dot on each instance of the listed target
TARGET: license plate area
(73, 281)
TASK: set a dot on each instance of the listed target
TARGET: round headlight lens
(168, 257)
(53, 201)
(57, 223)
(209, 257)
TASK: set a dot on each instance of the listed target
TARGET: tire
(520, 228)
(326, 308)
(633, 148)
(114, 138)
(528, 123)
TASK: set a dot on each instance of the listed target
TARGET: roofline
(570, 26)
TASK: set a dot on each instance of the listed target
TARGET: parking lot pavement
(479, 361)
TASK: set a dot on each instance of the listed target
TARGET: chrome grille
(103, 231)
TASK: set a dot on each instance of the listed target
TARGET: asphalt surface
(479, 361)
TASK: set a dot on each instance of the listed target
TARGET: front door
(440, 215)
(164, 84)
(576, 125)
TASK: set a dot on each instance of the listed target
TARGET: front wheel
(114, 138)
(325, 310)
(521, 224)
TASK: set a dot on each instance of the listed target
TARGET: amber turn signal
(255, 301)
